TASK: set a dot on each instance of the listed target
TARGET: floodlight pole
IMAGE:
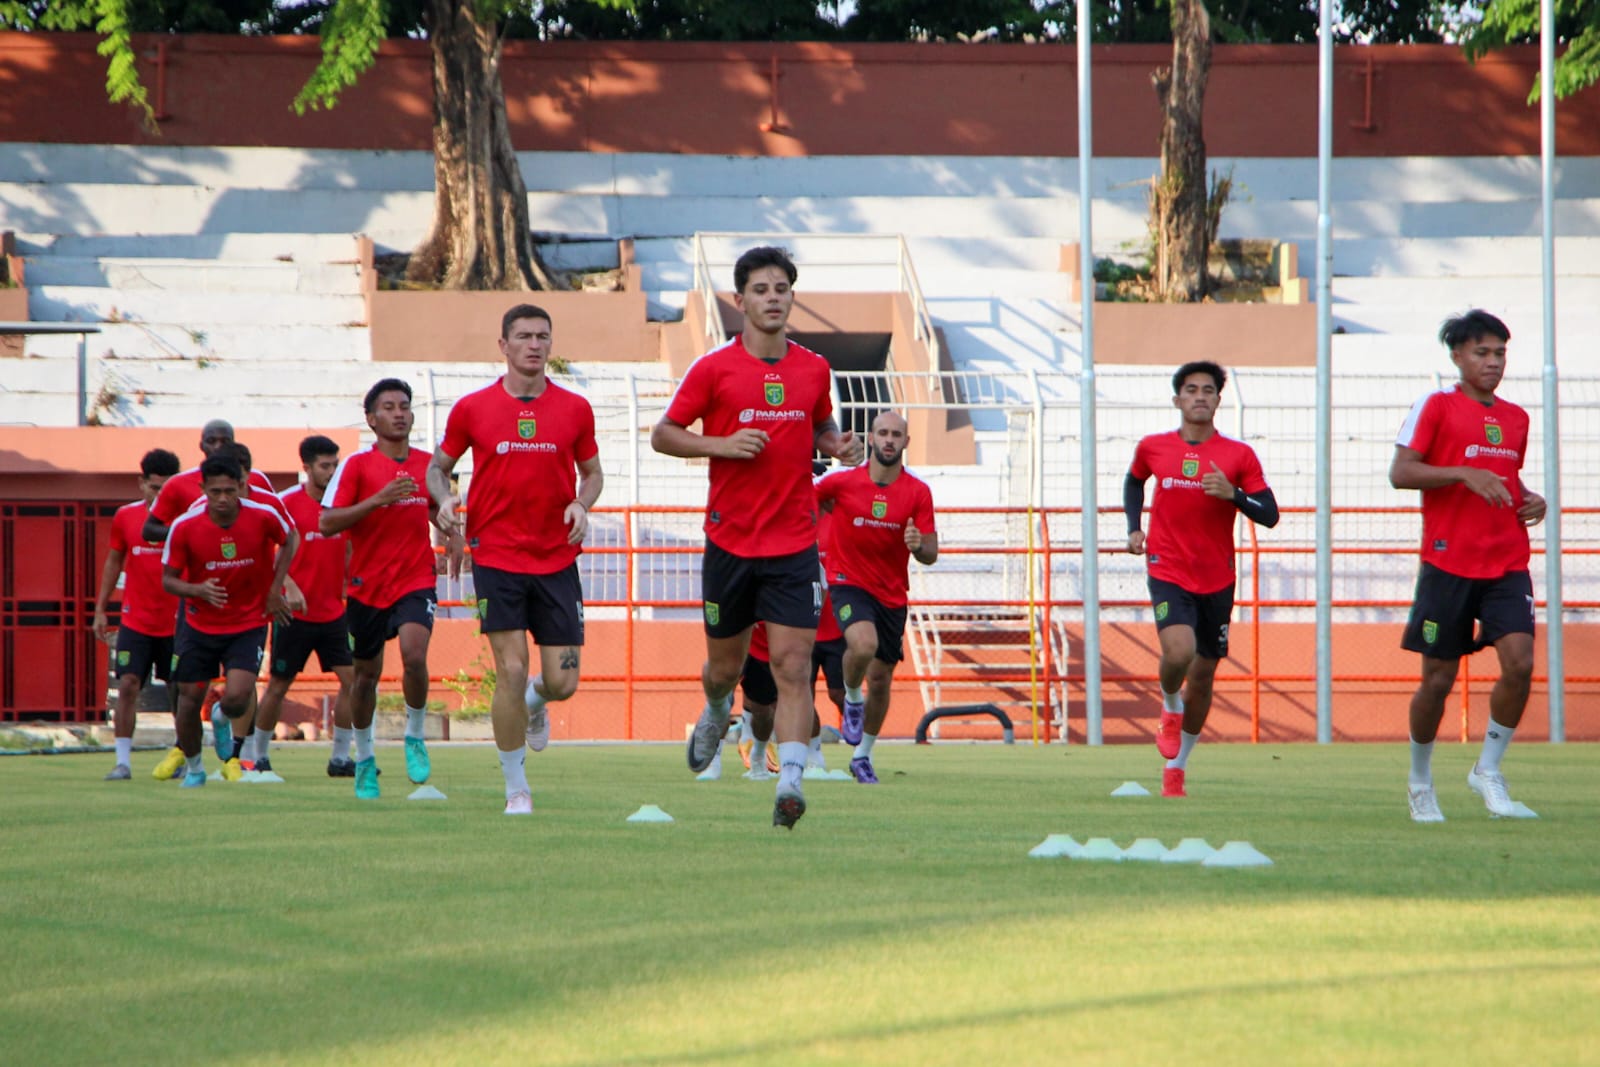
(1086, 391)
(1554, 658)
(1324, 442)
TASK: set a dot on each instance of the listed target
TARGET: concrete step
(298, 248)
(1479, 257)
(1578, 290)
(194, 310)
(194, 275)
(253, 342)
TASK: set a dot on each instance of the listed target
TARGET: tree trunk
(480, 237)
(1178, 200)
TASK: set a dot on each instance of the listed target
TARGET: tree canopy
(1507, 22)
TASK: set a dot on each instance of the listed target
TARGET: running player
(764, 408)
(377, 494)
(319, 571)
(228, 560)
(179, 492)
(536, 473)
(1464, 448)
(1203, 479)
(148, 613)
(882, 516)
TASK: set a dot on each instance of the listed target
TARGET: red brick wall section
(889, 99)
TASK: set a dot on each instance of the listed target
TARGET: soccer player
(535, 475)
(148, 614)
(882, 517)
(761, 698)
(1203, 479)
(319, 571)
(179, 492)
(377, 494)
(228, 561)
(1464, 448)
(764, 409)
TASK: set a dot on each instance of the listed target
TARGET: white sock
(854, 694)
(363, 739)
(720, 708)
(1185, 746)
(864, 749)
(514, 766)
(342, 736)
(261, 738)
(416, 719)
(791, 763)
(124, 751)
(195, 764)
(530, 695)
(1172, 702)
(1421, 765)
(746, 731)
(1495, 740)
(814, 751)
(758, 755)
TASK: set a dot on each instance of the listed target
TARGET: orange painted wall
(894, 99)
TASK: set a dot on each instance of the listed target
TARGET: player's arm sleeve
(689, 401)
(175, 553)
(165, 509)
(1260, 507)
(119, 539)
(456, 439)
(924, 512)
(586, 447)
(1133, 501)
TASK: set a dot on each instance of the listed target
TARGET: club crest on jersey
(774, 392)
(229, 550)
(1492, 432)
(526, 428)
(880, 508)
(1191, 467)
(1430, 631)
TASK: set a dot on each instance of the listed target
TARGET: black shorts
(1207, 614)
(371, 627)
(738, 590)
(203, 656)
(853, 604)
(292, 646)
(550, 606)
(1446, 605)
(759, 687)
(142, 655)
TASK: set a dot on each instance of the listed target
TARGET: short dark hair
(317, 445)
(159, 461)
(762, 256)
(386, 385)
(1199, 366)
(522, 311)
(216, 466)
(1475, 324)
(238, 453)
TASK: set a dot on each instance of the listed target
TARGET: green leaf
(351, 35)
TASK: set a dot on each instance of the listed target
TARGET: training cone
(1189, 850)
(426, 792)
(1236, 854)
(262, 777)
(1055, 846)
(822, 774)
(1145, 848)
(1519, 810)
(649, 813)
(1130, 789)
(1100, 848)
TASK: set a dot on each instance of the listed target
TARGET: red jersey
(318, 567)
(1462, 533)
(240, 556)
(261, 496)
(761, 506)
(146, 607)
(179, 492)
(393, 550)
(1190, 540)
(524, 473)
(867, 543)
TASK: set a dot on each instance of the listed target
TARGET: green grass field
(906, 924)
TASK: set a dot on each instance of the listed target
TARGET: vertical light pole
(1555, 660)
(1324, 446)
(1092, 704)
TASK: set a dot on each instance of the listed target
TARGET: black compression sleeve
(1133, 501)
(1259, 507)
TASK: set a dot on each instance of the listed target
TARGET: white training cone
(1236, 854)
(1519, 810)
(1146, 848)
(649, 813)
(1054, 846)
(215, 776)
(1189, 850)
(262, 777)
(426, 792)
(1100, 848)
(1130, 789)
